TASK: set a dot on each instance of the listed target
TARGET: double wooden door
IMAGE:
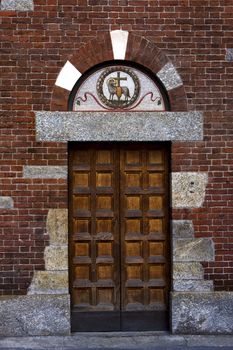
(119, 236)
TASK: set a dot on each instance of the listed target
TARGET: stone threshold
(116, 340)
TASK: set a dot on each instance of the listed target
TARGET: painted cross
(118, 79)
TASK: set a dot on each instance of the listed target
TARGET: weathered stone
(211, 342)
(200, 249)
(35, 315)
(49, 282)
(44, 172)
(57, 226)
(102, 340)
(114, 126)
(188, 271)
(56, 258)
(169, 76)
(17, 5)
(6, 203)
(182, 229)
(229, 55)
(192, 286)
(188, 189)
(120, 340)
(202, 313)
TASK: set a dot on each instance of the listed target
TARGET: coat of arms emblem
(118, 87)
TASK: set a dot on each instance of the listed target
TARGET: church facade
(116, 166)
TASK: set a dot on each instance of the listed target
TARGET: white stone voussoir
(119, 39)
(68, 76)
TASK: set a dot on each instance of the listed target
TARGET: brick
(195, 38)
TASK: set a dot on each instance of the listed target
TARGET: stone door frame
(134, 127)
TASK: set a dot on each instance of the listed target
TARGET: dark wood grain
(119, 236)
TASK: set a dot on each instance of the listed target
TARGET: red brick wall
(193, 34)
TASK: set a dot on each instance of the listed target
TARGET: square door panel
(155, 226)
(156, 248)
(156, 180)
(104, 179)
(81, 226)
(156, 271)
(105, 272)
(133, 202)
(81, 158)
(156, 295)
(82, 272)
(81, 180)
(104, 203)
(133, 248)
(103, 157)
(133, 180)
(82, 249)
(105, 296)
(104, 248)
(134, 272)
(82, 203)
(82, 297)
(133, 226)
(156, 203)
(133, 158)
(134, 296)
(155, 157)
(104, 226)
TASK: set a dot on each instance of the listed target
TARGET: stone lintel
(202, 312)
(32, 315)
(115, 126)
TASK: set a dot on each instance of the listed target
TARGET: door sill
(116, 321)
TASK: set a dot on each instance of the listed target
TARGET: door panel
(94, 245)
(119, 267)
(144, 238)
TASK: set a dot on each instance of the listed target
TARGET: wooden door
(119, 236)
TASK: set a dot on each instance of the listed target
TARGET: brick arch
(139, 50)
